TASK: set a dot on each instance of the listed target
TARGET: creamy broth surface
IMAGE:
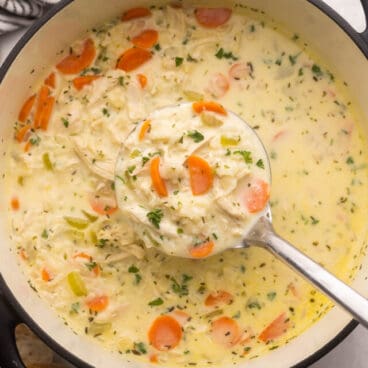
(81, 253)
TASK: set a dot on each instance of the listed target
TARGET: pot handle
(365, 9)
(9, 319)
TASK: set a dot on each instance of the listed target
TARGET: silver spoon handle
(330, 285)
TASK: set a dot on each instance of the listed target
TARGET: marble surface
(353, 351)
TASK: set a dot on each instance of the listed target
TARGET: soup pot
(332, 37)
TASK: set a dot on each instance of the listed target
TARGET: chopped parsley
(247, 156)
(317, 70)
(45, 234)
(314, 220)
(156, 302)
(350, 161)
(260, 164)
(65, 122)
(182, 288)
(155, 217)
(271, 295)
(178, 61)
(106, 112)
(196, 136)
(139, 348)
(133, 269)
(222, 54)
(157, 47)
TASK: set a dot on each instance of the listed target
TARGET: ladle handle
(264, 235)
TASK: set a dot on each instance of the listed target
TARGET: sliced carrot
(135, 13)
(239, 71)
(83, 255)
(201, 175)
(146, 39)
(96, 270)
(181, 316)
(275, 329)
(23, 254)
(14, 203)
(256, 195)
(292, 288)
(85, 80)
(217, 298)
(103, 205)
(51, 80)
(46, 275)
(133, 58)
(142, 79)
(157, 182)
(165, 333)
(201, 106)
(47, 111)
(225, 331)
(153, 358)
(202, 250)
(26, 108)
(212, 17)
(21, 134)
(98, 304)
(43, 95)
(27, 146)
(218, 85)
(74, 64)
(146, 126)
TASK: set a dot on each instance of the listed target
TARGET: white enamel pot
(335, 40)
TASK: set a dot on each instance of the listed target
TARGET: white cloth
(15, 14)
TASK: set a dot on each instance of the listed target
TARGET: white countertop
(353, 351)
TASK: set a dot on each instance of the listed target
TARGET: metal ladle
(262, 234)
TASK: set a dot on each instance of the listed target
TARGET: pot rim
(358, 40)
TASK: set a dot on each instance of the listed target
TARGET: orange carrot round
(46, 275)
(212, 17)
(146, 39)
(46, 112)
(51, 80)
(153, 358)
(256, 195)
(225, 331)
(74, 64)
(135, 13)
(142, 79)
(201, 175)
(26, 108)
(201, 106)
(218, 85)
(27, 146)
(217, 298)
(202, 250)
(14, 203)
(98, 303)
(181, 316)
(133, 58)
(83, 255)
(85, 80)
(165, 333)
(43, 95)
(21, 134)
(146, 126)
(275, 329)
(157, 182)
(103, 205)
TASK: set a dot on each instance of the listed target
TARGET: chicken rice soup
(115, 285)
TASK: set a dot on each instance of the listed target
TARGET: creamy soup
(210, 178)
(81, 253)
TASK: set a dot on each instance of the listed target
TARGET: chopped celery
(229, 141)
(135, 153)
(76, 222)
(210, 120)
(193, 96)
(90, 217)
(98, 328)
(93, 237)
(76, 283)
(47, 162)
